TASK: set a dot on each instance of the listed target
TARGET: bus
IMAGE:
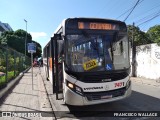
(87, 61)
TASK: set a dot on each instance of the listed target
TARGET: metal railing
(12, 63)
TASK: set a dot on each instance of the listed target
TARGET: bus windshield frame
(96, 45)
(97, 51)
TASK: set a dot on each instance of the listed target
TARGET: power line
(128, 10)
(156, 15)
(147, 17)
(104, 7)
(110, 5)
(124, 13)
(132, 10)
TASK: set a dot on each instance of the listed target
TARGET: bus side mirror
(57, 36)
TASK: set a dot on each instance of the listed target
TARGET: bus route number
(90, 64)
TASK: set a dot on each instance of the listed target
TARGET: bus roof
(82, 18)
(92, 18)
(85, 18)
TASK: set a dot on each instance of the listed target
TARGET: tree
(154, 34)
(3, 39)
(16, 40)
(140, 37)
(21, 33)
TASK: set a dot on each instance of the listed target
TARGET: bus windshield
(97, 52)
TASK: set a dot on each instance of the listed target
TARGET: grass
(2, 79)
(10, 76)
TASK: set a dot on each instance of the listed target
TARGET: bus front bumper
(73, 98)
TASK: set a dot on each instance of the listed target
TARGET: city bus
(87, 61)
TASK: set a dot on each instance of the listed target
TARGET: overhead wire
(142, 20)
(103, 7)
(128, 10)
(145, 12)
(146, 17)
(115, 6)
(110, 5)
(151, 18)
(132, 10)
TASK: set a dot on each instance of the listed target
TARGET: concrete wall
(148, 61)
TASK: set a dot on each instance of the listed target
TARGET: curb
(59, 108)
(44, 100)
(4, 92)
(143, 81)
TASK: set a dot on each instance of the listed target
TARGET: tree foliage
(140, 37)
(154, 34)
(16, 40)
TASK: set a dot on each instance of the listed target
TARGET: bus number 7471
(119, 84)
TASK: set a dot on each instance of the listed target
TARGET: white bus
(90, 57)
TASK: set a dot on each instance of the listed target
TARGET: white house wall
(148, 61)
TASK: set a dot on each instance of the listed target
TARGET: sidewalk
(155, 83)
(26, 100)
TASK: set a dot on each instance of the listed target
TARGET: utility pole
(32, 49)
(25, 40)
(133, 54)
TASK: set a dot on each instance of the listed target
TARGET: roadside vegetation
(142, 38)
(12, 58)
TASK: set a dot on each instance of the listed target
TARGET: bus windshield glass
(97, 52)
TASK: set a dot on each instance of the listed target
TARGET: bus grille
(104, 95)
(100, 77)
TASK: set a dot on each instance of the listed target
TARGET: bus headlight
(128, 84)
(70, 85)
(75, 88)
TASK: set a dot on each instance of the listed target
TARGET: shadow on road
(137, 102)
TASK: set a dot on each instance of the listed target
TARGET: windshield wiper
(115, 38)
(95, 47)
(111, 45)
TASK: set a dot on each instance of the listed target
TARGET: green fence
(12, 63)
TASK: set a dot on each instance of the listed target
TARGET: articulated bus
(87, 61)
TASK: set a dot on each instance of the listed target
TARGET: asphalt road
(143, 98)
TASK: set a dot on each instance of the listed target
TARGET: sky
(44, 16)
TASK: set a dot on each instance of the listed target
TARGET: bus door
(48, 50)
(59, 67)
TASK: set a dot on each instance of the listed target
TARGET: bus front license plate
(106, 97)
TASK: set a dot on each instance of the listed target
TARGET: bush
(2, 68)
(10, 75)
(2, 80)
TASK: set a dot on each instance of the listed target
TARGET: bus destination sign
(96, 26)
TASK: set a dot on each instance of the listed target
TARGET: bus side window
(60, 51)
(121, 47)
